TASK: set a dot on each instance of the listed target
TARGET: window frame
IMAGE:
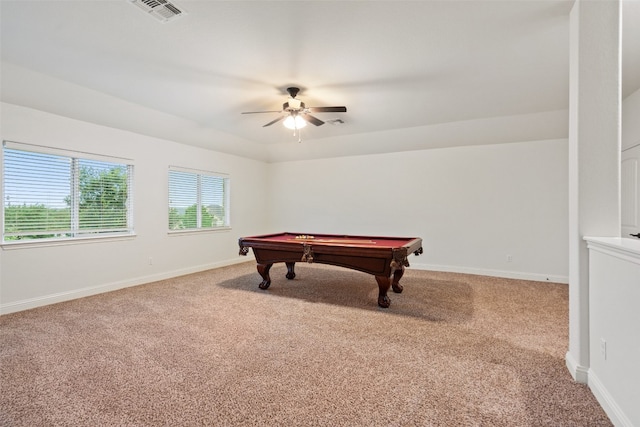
(79, 235)
(226, 201)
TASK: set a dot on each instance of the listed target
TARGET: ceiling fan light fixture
(294, 104)
(294, 122)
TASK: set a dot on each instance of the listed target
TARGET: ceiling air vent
(162, 10)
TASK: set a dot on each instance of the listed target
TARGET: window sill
(175, 233)
(41, 243)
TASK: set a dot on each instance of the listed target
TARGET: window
(55, 194)
(197, 200)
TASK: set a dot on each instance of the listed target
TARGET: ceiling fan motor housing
(293, 91)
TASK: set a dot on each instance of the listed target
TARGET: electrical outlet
(509, 258)
(603, 348)
(150, 261)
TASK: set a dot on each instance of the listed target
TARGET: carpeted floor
(212, 349)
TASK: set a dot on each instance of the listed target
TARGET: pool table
(384, 257)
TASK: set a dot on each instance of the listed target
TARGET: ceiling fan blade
(313, 120)
(258, 112)
(328, 109)
(273, 121)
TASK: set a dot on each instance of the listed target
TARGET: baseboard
(493, 273)
(611, 408)
(108, 287)
(579, 373)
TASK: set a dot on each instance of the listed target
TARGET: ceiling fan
(296, 113)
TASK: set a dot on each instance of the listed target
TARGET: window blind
(56, 196)
(197, 200)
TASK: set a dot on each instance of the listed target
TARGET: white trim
(186, 231)
(198, 171)
(108, 287)
(618, 247)
(519, 275)
(608, 403)
(43, 149)
(579, 373)
(40, 243)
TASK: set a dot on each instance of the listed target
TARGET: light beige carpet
(211, 349)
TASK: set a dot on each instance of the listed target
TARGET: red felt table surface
(331, 239)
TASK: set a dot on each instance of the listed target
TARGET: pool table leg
(290, 273)
(397, 275)
(263, 270)
(384, 283)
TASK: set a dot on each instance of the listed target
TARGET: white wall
(40, 275)
(472, 206)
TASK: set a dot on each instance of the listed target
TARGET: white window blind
(197, 200)
(50, 194)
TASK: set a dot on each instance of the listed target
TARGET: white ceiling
(396, 65)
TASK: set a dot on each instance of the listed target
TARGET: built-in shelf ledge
(619, 247)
